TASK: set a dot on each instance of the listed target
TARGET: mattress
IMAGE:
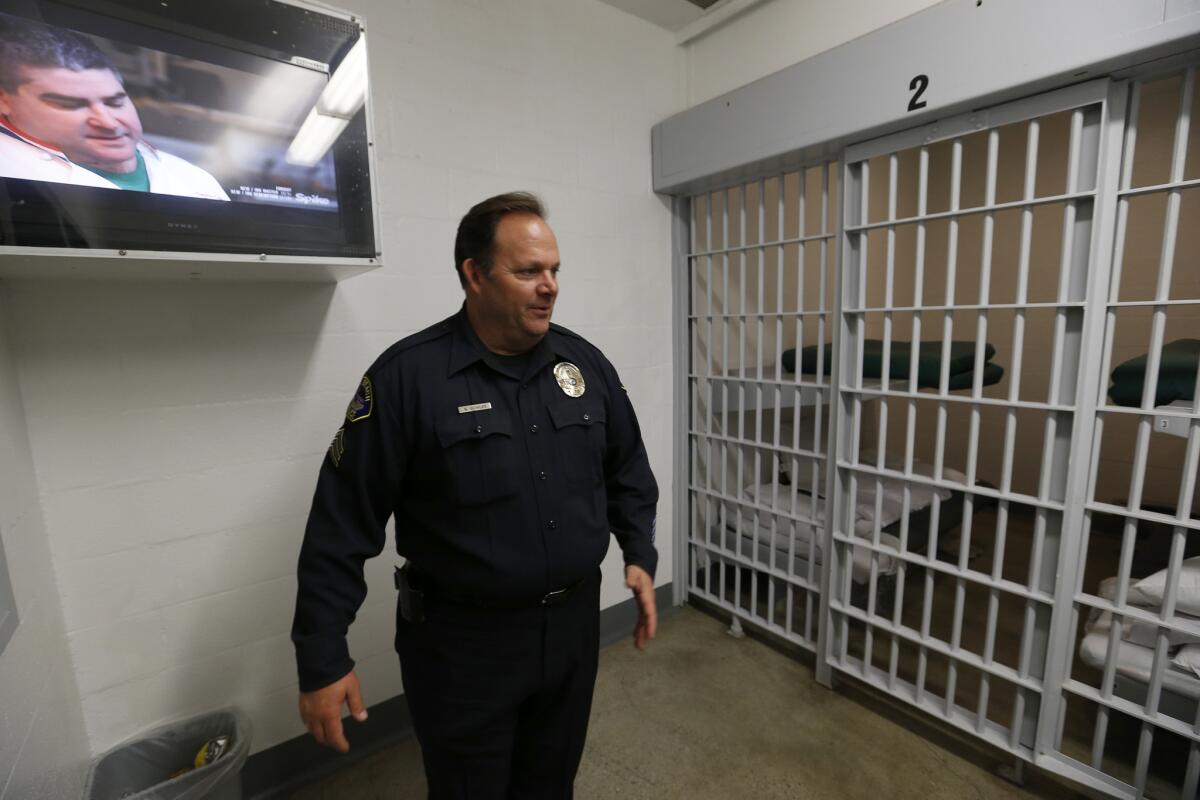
(919, 496)
(1176, 375)
(892, 490)
(794, 538)
(929, 362)
(889, 492)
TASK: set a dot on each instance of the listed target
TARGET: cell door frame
(1099, 140)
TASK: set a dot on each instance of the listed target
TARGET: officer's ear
(474, 275)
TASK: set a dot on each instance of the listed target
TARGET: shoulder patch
(363, 403)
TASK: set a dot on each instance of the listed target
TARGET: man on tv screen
(65, 118)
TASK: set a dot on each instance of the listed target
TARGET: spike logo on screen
(363, 402)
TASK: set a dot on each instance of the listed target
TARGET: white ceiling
(670, 14)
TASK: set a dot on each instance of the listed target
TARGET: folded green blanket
(1176, 375)
(929, 361)
(992, 373)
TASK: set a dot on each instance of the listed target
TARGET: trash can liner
(139, 768)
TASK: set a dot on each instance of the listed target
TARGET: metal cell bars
(965, 264)
(1129, 715)
(760, 281)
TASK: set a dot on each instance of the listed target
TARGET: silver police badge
(569, 378)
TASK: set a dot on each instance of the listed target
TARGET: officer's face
(516, 298)
(85, 114)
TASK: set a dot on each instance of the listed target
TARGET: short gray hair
(476, 237)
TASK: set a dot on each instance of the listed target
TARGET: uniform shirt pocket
(581, 428)
(479, 455)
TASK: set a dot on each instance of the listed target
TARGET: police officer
(507, 450)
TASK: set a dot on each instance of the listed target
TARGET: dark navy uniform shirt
(503, 486)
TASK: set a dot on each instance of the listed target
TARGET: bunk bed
(782, 517)
(1137, 639)
(776, 523)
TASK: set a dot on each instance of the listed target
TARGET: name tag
(476, 407)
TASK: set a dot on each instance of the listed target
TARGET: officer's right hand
(321, 711)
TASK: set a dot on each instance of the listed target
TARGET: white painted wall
(43, 748)
(669, 14)
(177, 428)
(778, 33)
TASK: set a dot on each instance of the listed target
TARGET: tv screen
(203, 127)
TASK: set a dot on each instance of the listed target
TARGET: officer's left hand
(638, 580)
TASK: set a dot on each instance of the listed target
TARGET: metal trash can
(141, 769)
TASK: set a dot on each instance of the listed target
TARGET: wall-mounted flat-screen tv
(185, 126)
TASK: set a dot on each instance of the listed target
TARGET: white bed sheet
(794, 538)
(1145, 633)
(891, 492)
(1133, 660)
(788, 502)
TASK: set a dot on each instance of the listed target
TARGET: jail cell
(761, 290)
(964, 286)
(978, 431)
(1131, 680)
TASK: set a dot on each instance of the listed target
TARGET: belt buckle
(551, 598)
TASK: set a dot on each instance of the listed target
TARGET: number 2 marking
(917, 86)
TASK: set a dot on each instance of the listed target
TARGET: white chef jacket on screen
(21, 157)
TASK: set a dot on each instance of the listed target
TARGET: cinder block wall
(177, 429)
(43, 748)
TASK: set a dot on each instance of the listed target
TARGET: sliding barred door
(1128, 721)
(761, 284)
(976, 238)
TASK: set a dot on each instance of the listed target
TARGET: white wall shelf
(53, 263)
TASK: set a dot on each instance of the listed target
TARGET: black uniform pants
(500, 699)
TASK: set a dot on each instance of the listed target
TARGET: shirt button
(479, 429)
(533, 428)
(541, 476)
(552, 524)
(586, 418)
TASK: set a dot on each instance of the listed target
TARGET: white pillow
(1151, 590)
(1188, 659)
(1136, 631)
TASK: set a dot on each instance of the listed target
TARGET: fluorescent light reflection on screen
(341, 99)
(316, 136)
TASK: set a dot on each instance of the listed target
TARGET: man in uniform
(507, 450)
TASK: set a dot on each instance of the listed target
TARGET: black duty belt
(413, 581)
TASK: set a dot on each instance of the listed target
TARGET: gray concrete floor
(700, 714)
